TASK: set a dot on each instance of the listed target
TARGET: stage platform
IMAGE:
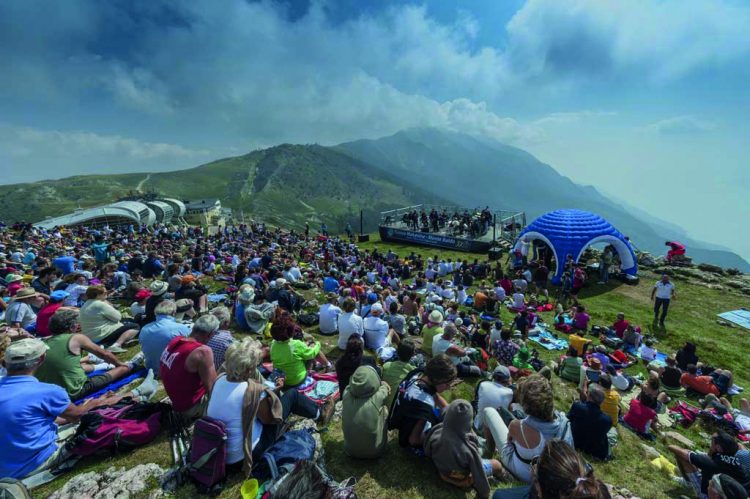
(505, 228)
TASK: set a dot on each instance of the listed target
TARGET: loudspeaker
(363, 238)
(494, 253)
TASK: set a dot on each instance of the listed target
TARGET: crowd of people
(407, 330)
(471, 224)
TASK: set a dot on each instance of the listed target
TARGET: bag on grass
(119, 427)
(308, 319)
(307, 480)
(292, 446)
(208, 452)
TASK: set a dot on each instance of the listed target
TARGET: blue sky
(645, 99)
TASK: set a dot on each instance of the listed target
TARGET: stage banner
(392, 234)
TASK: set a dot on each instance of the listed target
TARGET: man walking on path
(662, 294)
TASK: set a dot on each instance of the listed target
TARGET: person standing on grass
(661, 295)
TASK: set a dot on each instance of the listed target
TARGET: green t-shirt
(428, 334)
(61, 367)
(571, 369)
(290, 356)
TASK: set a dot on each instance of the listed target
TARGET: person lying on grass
(718, 382)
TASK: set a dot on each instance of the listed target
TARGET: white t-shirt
(349, 324)
(491, 394)
(441, 345)
(376, 331)
(495, 335)
(136, 308)
(462, 297)
(500, 293)
(329, 315)
(226, 406)
(76, 291)
(664, 291)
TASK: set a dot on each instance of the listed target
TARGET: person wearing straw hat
(29, 409)
(20, 311)
(431, 330)
(158, 294)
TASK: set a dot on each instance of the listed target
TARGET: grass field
(397, 474)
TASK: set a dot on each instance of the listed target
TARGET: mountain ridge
(291, 184)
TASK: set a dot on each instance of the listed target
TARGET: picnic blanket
(115, 385)
(660, 360)
(740, 317)
(545, 339)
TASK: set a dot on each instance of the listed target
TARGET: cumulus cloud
(680, 125)
(656, 40)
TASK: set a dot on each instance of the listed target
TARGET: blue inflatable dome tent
(571, 232)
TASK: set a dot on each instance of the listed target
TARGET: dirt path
(140, 184)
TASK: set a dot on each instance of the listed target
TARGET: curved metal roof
(164, 211)
(177, 206)
(95, 216)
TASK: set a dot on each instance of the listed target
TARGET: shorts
(721, 381)
(487, 466)
(92, 384)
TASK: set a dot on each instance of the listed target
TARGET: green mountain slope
(474, 171)
(286, 184)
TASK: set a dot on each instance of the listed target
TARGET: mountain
(293, 184)
(286, 185)
(474, 171)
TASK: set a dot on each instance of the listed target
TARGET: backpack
(208, 452)
(279, 459)
(308, 319)
(122, 426)
(307, 480)
(684, 413)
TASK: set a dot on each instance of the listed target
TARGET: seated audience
(155, 335)
(329, 315)
(590, 425)
(349, 323)
(444, 344)
(221, 338)
(291, 355)
(102, 322)
(350, 361)
(396, 370)
(496, 393)
(686, 356)
(56, 299)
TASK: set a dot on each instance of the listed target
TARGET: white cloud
(566, 118)
(657, 40)
(680, 125)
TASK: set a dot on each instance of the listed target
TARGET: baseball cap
(59, 295)
(376, 307)
(23, 351)
(501, 372)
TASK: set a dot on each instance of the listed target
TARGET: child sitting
(581, 319)
(648, 352)
(632, 338)
(454, 450)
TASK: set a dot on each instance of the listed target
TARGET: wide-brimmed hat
(595, 363)
(13, 278)
(158, 288)
(24, 293)
(435, 317)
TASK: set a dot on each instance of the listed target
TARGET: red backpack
(120, 427)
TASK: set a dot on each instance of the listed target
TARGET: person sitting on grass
(641, 416)
(349, 323)
(724, 456)
(251, 407)
(590, 424)
(620, 326)
(497, 393)
(521, 323)
(351, 360)
(186, 368)
(559, 473)
(570, 366)
(717, 383)
(581, 319)
(364, 414)
(632, 338)
(431, 330)
(378, 336)
(670, 374)
(30, 409)
(396, 370)
(418, 404)
(686, 356)
(580, 343)
(329, 315)
(459, 356)
(505, 349)
(63, 363)
(291, 355)
(648, 352)
(454, 449)
(101, 322)
(522, 440)
(56, 299)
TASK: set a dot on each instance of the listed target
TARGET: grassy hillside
(286, 185)
(397, 474)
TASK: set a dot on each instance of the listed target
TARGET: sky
(647, 100)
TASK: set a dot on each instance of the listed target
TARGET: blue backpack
(280, 458)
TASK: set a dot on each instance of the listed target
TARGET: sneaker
(326, 412)
(137, 361)
(116, 349)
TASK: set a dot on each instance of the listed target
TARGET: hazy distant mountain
(291, 184)
(479, 171)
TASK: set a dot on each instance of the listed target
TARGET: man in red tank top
(188, 373)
